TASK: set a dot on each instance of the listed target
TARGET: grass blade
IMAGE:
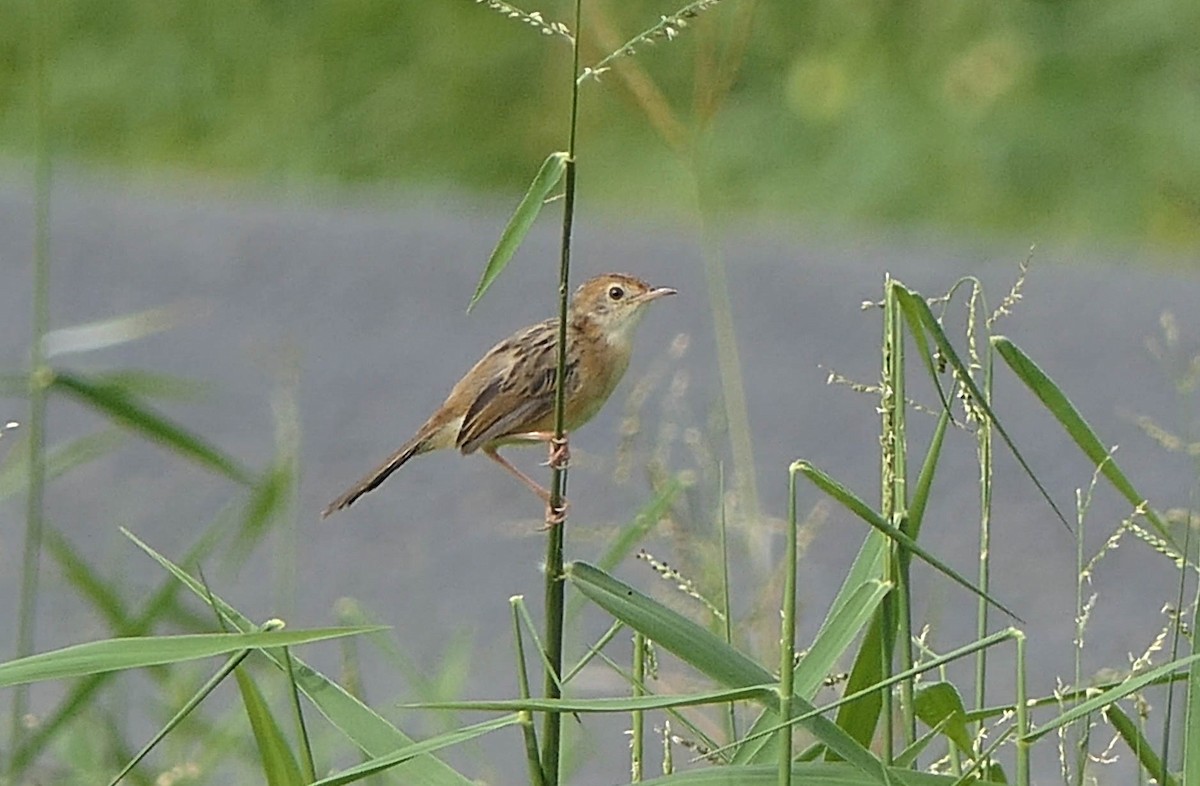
(836, 635)
(409, 752)
(544, 182)
(707, 653)
(920, 319)
(867, 514)
(1110, 696)
(1139, 746)
(81, 660)
(279, 765)
(1076, 427)
(192, 703)
(120, 406)
(366, 728)
(606, 704)
(1191, 725)
(939, 704)
(810, 773)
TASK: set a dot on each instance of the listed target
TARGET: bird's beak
(655, 294)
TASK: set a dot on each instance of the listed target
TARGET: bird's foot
(556, 516)
(560, 453)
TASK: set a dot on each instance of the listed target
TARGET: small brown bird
(508, 396)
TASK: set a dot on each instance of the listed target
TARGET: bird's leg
(560, 450)
(553, 515)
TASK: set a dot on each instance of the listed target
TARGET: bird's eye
(616, 293)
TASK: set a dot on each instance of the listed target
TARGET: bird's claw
(556, 516)
(560, 453)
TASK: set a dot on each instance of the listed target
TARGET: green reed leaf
(92, 657)
(119, 405)
(522, 219)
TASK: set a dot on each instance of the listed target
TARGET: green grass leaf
(837, 633)
(93, 657)
(362, 725)
(864, 511)
(938, 704)
(814, 773)
(707, 653)
(278, 763)
(1138, 745)
(14, 476)
(409, 752)
(118, 404)
(920, 319)
(1191, 724)
(607, 704)
(1120, 691)
(522, 219)
(1076, 427)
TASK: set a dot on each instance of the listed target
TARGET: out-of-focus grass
(1060, 117)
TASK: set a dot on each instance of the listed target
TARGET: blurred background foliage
(1060, 119)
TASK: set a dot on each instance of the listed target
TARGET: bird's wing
(520, 390)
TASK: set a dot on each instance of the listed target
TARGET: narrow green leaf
(867, 514)
(102, 595)
(920, 497)
(362, 725)
(1110, 696)
(812, 773)
(150, 384)
(836, 635)
(61, 459)
(81, 660)
(279, 765)
(522, 219)
(1191, 724)
(921, 319)
(707, 653)
(123, 408)
(1076, 427)
(938, 704)
(409, 752)
(137, 623)
(607, 704)
(908, 756)
(188, 706)
(1139, 746)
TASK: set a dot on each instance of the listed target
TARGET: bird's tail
(377, 475)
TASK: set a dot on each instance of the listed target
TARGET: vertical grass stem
(40, 375)
(555, 609)
(787, 638)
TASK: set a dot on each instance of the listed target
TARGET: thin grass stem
(528, 729)
(1022, 713)
(40, 375)
(638, 731)
(306, 759)
(731, 713)
(555, 585)
(787, 636)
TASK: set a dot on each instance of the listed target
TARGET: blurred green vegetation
(1075, 119)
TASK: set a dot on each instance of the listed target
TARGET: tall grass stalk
(555, 586)
(787, 637)
(893, 499)
(1022, 711)
(638, 730)
(984, 450)
(528, 730)
(39, 374)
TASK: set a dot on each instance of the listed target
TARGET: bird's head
(614, 302)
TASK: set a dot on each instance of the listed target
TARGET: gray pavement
(363, 297)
